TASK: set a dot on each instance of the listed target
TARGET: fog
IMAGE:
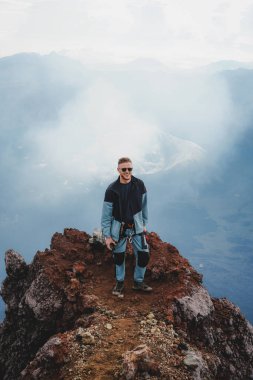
(161, 119)
(63, 126)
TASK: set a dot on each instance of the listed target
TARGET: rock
(59, 309)
(192, 360)
(14, 263)
(195, 362)
(155, 330)
(51, 356)
(232, 369)
(139, 360)
(228, 350)
(84, 336)
(202, 325)
(152, 322)
(43, 298)
(182, 346)
(198, 305)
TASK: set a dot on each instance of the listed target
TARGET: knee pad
(119, 258)
(143, 258)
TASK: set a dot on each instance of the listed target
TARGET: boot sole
(142, 290)
(119, 294)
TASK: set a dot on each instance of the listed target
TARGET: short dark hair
(124, 159)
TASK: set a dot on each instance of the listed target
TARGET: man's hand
(109, 242)
(144, 230)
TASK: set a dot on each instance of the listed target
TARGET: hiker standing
(125, 216)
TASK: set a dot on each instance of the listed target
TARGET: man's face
(124, 173)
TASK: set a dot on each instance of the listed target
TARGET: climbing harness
(130, 237)
(125, 226)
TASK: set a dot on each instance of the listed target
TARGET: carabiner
(130, 238)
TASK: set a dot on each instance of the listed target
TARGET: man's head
(125, 168)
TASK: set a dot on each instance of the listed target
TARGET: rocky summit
(62, 321)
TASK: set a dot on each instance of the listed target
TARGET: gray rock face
(43, 299)
(219, 326)
(248, 340)
(14, 263)
(27, 307)
(198, 306)
(14, 286)
(192, 360)
(195, 361)
(47, 356)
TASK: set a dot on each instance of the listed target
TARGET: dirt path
(120, 325)
(123, 315)
(106, 360)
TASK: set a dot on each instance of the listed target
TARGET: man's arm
(106, 220)
(145, 209)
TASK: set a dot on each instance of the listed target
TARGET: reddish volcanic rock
(62, 321)
(139, 360)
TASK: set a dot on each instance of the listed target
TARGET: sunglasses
(125, 169)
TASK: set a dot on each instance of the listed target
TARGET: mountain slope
(62, 321)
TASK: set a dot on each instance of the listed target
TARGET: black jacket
(112, 207)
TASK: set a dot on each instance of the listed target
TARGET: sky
(178, 33)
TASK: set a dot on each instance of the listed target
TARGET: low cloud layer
(67, 126)
(63, 127)
(163, 123)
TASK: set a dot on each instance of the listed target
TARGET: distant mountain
(33, 89)
(227, 65)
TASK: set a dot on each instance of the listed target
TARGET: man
(125, 216)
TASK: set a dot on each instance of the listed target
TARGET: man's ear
(118, 170)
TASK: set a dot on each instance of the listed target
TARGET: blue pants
(120, 248)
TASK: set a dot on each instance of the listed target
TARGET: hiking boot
(142, 286)
(118, 289)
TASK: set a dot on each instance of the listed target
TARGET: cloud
(77, 123)
(182, 33)
(93, 131)
(195, 121)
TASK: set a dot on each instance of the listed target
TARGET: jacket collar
(116, 184)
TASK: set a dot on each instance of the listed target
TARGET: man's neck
(124, 181)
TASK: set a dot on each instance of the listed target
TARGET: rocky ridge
(62, 321)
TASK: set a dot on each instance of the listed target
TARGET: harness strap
(143, 240)
(130, 238)
(124, 226)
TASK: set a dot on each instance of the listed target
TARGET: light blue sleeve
(106, 219)
(145, 209)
